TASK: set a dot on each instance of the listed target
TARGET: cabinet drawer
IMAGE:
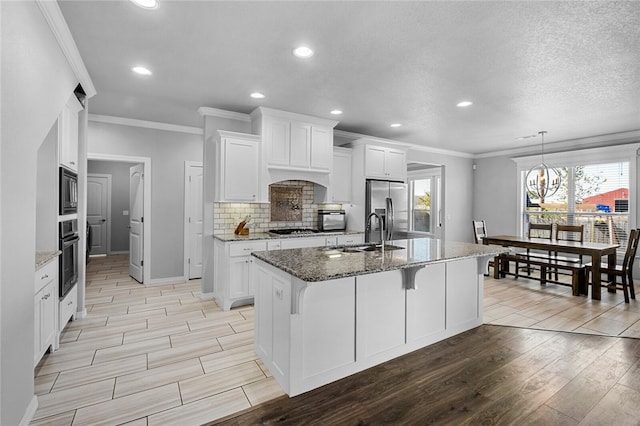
(350, 239)
(44, 275)
(273, 245)
(68, 306)
(244, 249)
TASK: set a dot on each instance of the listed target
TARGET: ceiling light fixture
(336, 112)
(141, 70)
(257, 95)
(542, 181)
(303, 52)
(464, 104)
(396, 125)
(146, 4)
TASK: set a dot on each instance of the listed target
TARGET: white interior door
(196, 222)
(98, 197)
(136, 219)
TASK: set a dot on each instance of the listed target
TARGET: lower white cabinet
(45, 307)
(68, 307)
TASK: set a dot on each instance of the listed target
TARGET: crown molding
(145, 124)
(619, 138)
(221, 113)
(413, 146)
(57, 24)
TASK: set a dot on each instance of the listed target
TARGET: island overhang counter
(322, 314)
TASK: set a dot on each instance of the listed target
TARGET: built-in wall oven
(69, 257)
(68, 191)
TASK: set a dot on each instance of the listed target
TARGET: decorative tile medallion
(286, 203)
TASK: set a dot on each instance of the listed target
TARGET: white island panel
(426, 305)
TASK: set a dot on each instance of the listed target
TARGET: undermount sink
(369, 247)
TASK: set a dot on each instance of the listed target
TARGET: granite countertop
(268, 236)
(326, 263)
(44, 257)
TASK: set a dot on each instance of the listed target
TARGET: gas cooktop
(294, 231)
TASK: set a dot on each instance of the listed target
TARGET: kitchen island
(322, 314)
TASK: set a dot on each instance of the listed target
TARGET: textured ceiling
(571, 68)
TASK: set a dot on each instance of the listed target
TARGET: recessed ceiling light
(464, 104)
(396, 125)
(257, 95)
(146, 4)
(336, 112)
(141, 70)
(303, 52)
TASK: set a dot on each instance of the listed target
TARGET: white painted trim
(169, 280)
(580, 157)
(620, 138)
(221, 113)
(405, 145)
(53, 15)
(207, 296)
(123, 121)
(263, 111)
(146, 240)
(109, 189)
(187, 211)
(81, 314)
(30, 412)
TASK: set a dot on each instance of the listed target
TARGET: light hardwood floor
(160, 355)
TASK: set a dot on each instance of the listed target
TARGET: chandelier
(542, 181)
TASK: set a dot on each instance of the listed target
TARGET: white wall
(36, 83)
(168, 151)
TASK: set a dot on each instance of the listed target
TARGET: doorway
(111, 232)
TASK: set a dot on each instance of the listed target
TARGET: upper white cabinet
(385, 163)
(68, 133)
(237, 167)
(341, 176)
(294, 141)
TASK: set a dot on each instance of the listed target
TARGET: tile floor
(160, 355)
(156, 355)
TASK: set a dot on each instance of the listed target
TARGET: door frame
(412, 174)
(146, 206)
(109, 189)
(187, 209)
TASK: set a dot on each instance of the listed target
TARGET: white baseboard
(31, 411)
(119, 252)
(207, 296)
(81, 314)
(170, 280)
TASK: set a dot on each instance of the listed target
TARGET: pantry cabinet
(340, 191)
(237, 167)
(45, 306)
(68, 134)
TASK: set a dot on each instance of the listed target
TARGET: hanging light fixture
(542, 181)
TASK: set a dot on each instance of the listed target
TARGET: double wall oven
(69, 257)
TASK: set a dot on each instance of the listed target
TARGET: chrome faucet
(368, 224)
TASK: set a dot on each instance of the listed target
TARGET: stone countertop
(326, 263)
(269, 236)
(44, 257)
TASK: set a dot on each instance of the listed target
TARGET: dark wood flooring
(490, 375)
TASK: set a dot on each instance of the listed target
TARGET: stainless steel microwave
(68, 191)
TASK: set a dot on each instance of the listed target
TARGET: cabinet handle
(46, 296)
(44, 276)
(70, 303)
(72, 163)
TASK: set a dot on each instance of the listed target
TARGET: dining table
(597, 252)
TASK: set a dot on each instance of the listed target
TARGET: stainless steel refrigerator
(390, 200)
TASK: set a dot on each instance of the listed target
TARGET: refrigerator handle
(390, 218)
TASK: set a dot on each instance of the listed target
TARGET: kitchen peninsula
(325, 313)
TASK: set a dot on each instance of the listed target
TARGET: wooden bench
(578, 271)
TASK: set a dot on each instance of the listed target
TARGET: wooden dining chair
(624, 271)
(569, 233)
(539, 230)
(479, 232)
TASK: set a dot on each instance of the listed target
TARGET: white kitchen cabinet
(232, 277)
(340, 191)
(294, 141)
(68, 307)
(45, 309)
(350, 239)
(385, 163)
(237, 167)
(68, 134)
(302, 242)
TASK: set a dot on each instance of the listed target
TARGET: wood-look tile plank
(242, 326)
(94, 373)
(545, 416)
(219, 381)
(102, 332)
(181, 353)
(620, 406)
(63, 419)
(68, 336)
(127, 408)
(140, 307)
(61, 401)
(213, 319)
(44, 383)
(131, 349)
(211, 333)
(97, 342)
(134, 317)
(138, 422)
(136, 336)
(235, 340)
(45, 368)
(228, 358)
(262, 391)
(203, 410)
(88, 322)
(166, 321)
(154, 377)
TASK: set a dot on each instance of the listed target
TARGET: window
(593, 195)
(424, 201)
